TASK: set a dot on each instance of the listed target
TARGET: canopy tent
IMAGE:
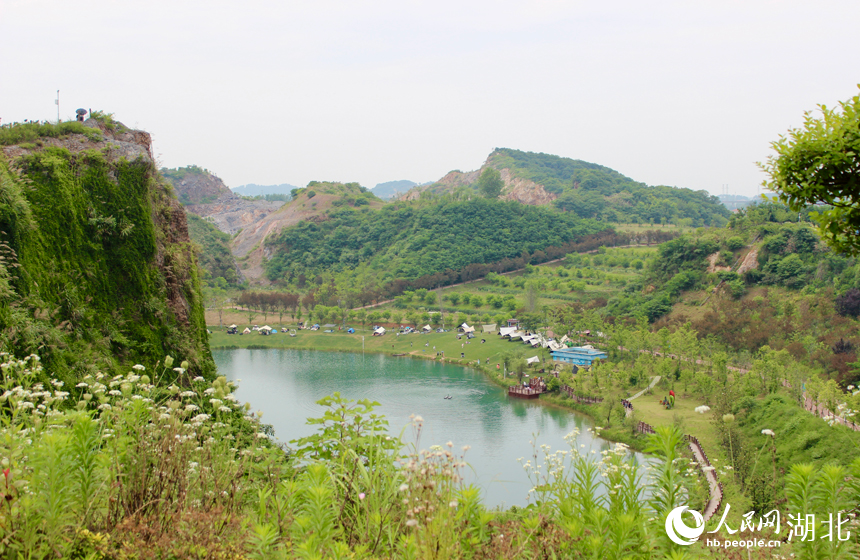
(379, 331)
(265, 328)
(489, 328)
(507, 331)
(533, 360)
(466, 328)
(426, 328)
(232, 327)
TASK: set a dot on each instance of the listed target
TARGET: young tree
(490, 183)
(819, 163)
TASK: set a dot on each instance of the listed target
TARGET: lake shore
(425, 347)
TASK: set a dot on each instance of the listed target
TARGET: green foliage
(819, 163)
(33, 132)
(490, 183)
(214, 255)
(595, 191)
(96, 275)
(406, 242)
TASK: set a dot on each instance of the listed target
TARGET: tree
(820, 162)
(848, 304)
(490, 183)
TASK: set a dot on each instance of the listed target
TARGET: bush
(735, 243)
(848, 304)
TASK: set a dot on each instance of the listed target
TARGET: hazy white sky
(687, 93)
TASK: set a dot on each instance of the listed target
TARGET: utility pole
(57, 101)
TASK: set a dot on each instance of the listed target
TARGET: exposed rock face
(520, 190)
(199, 188)
(124, 143)
(712, 264)
(525, 191)
(231, 213)
(750, 261)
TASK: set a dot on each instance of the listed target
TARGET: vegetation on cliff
(97, 268)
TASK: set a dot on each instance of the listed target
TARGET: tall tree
(490, 183)
(820, 162)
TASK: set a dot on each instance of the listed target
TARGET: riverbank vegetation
(157, 464)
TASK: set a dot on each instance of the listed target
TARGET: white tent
(488, 328)
(533, 360)
(564, 339)
(232, 327)
(426, 328)
(265, 329)
(246, 331)
(379, 331)
(507, 331)
(467, 329)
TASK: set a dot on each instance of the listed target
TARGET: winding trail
(654, 381)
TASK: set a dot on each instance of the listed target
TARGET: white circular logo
(678, 530)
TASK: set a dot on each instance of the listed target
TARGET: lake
(284, 385)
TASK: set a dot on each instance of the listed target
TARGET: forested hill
(408, 241)
(97, 271)
(594, 191)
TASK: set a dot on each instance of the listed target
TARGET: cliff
(97, 270)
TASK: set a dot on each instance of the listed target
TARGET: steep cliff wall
(97, 268)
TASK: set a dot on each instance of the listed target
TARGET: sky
(687, 94)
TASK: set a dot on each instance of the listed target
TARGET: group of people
(669, 401)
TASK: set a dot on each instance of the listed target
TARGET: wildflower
(261, 435)
(225, 409)
(453, 504)
(187, 394)
(81, 385)
(450, 444)
(412, 523)
(361, 496)
(419, 419)
(104, 406)
(702, 409)
(403, 487)
(138, 367)
(198, 378)
(768, 433)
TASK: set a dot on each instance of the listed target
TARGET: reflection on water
(285, 384)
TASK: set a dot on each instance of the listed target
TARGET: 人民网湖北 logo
(679, 531)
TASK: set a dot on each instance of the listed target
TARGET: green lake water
(284, 385)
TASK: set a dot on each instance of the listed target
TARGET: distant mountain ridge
(388, 189)
(253, 189)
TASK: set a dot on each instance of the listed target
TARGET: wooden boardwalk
(715, 487)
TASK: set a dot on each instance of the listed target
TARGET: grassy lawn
(418, 345)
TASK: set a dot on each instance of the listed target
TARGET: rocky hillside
(97, 270)
(206, 195)
(311, 204)
(587, 189)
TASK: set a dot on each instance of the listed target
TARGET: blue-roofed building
(578, 356)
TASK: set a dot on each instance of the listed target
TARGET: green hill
(406, 241)
(214, 255)
(594, 191)
(96, 267)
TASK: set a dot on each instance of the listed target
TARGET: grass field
(417, 345)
